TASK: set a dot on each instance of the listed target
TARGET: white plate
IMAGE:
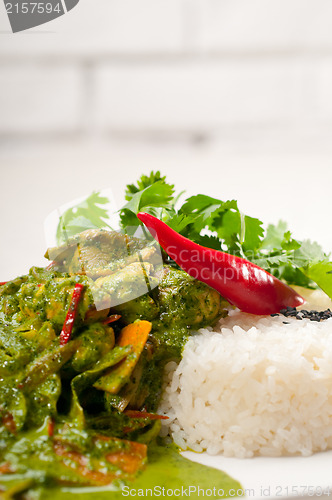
(267, 477)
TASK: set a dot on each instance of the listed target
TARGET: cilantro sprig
(205, 220)
(89, 214)
(151, 194)
(213, 223)
(221, 225)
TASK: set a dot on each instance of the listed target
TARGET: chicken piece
(143, 307)
(186, 302)
(125, 285)
(97, 252)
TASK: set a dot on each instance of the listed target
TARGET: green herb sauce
(166, 470)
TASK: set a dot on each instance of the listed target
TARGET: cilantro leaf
(274, 235)
(253, 233)
(311, 251)
(288, 243)
(321, 273)
(228, 228)
(206, 209)
(201, 204)
(142, 183)
(152, 194)
(180, 222)
(85, 215)
(158, 194)
(209, 241)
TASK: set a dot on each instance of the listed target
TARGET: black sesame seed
(291, 312)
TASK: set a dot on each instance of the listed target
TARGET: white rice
(253, 386)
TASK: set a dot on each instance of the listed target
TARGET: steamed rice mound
(256, 386)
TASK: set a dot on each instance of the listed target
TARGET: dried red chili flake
(67, 329)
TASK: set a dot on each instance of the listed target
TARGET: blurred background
(230, 98)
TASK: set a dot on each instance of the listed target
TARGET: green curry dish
(84, 407)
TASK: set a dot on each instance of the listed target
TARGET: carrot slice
(130, 460)
(126, 460)
(136, 335)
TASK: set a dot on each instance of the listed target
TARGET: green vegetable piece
(87, 378)
(42, 401)
(49, 363)
(134, 335)
(15, 345)
(95, 342)
(17, 488)
(13, 407)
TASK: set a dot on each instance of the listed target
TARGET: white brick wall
(323, 92)
(40, 99)
(172, 66)
(263, 25)
(198, 96)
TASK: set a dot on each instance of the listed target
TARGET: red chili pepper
(3, 283)
(144, 414)
(71, 314)
(239, 281)
(111, 319)
(50, 427)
